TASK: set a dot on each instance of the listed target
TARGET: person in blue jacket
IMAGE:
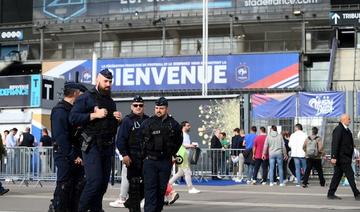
(67, 154)
(95, 112)
(160, 137)
(130, 149)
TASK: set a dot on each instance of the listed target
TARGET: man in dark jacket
(216, 146)
(342, 149)
(95, 112)
(160, 137)
(67, 154)
(130, 149)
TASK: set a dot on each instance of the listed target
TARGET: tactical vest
(103, 129)
(160, 138)
(137, 121)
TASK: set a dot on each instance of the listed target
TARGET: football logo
(242, 73)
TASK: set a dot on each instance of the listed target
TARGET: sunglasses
(138, 105)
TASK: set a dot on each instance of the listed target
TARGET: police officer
(129, 147)
(160, 138)
(95, 112)
(67, 154)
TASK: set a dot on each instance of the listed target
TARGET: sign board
(344, 18)
(20, 91)
(11, 34)
(277, 70)
(65, 10)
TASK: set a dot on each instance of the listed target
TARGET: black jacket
(342, 146)
(215, 143)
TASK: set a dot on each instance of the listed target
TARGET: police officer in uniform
(129, 146)
(67, 154)
(161, 138)
(95, 111)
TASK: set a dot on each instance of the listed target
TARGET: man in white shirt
(10, 139)
(296, 143)
(184, 169)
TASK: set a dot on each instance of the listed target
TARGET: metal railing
(23, 164)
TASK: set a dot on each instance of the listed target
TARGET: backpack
(312, 150)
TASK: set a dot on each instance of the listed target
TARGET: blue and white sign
(20, 91)
(64, 9)
(326, 104)
(244, 71)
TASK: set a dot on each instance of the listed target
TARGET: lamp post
(303, 44)
(101, 40)
(231, 36)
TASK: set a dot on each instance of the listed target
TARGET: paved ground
(212, 198)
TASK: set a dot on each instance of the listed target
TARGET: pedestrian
(184, 167)
(248, 153)
(2, 154)
(296, 143)
(237, 157)
(215, 146)
(161, 138)
(129, 147)
(45, 139)
(313, 148)
(67, 154)
(95, 112)
(275, 146)
(342, 148)
(124, 186)
(258, 148)
(27, 139)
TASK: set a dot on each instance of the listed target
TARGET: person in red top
(257, 156)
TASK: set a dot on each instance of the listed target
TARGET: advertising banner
(67, 9)
(280, 105)
(326, 104)
(20, 91)
(186, 73)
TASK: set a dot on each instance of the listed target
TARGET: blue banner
(326, 104)
(186, 73)
(281, 105)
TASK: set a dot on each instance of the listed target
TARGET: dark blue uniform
(97, 157)
(161, 139)
(129, 145)
(69, 182)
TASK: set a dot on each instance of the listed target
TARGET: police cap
(162, 101)
(138, 98)
(106, 73)
(74, 85)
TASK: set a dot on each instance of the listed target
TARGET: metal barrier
(23, 164)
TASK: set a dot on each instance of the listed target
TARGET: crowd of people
(282, 157)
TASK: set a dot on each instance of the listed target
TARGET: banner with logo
(20, 91)
(326, 104)
(184, 73)
(280, 105)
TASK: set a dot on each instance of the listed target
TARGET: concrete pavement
(212, 198)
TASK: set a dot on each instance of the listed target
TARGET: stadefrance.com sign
(247, 71)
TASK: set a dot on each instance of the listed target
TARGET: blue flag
(325, 104)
